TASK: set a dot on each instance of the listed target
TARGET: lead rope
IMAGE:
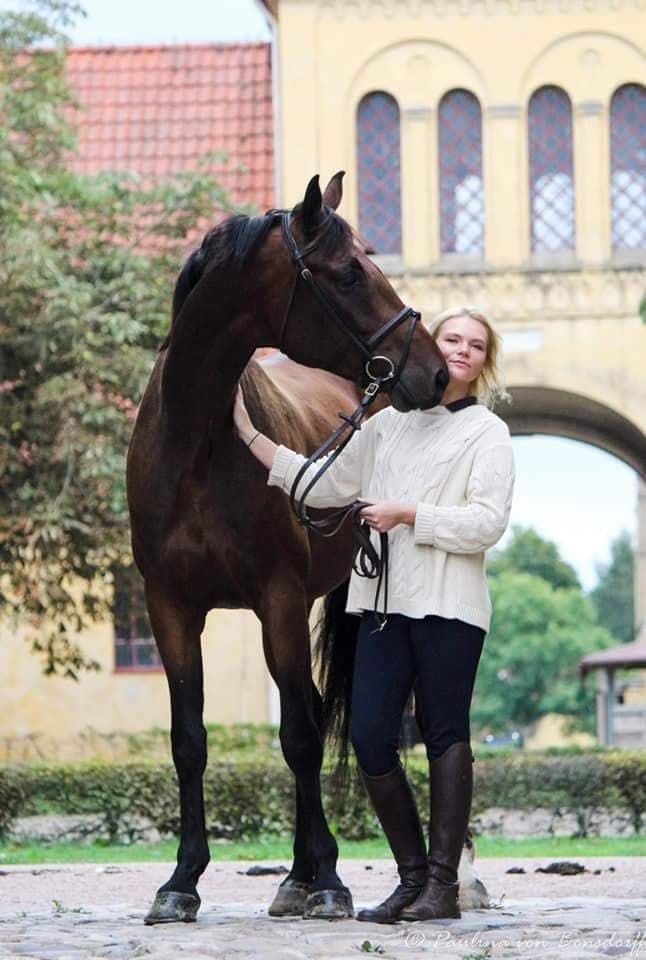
(367, 561)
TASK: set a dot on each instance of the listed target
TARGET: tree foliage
(86, 273)
(529, 665)
(614, 595)
(528, 552)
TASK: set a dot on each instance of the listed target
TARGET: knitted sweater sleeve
(339, 485)
(482, 520)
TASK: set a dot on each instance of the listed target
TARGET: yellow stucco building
(518, 163)
(495, 156)
(552, 260)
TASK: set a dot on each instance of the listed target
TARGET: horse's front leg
(177, 632)
(286, 631)
(293, 892)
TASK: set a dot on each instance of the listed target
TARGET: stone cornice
(504, 110)
(344, 9)
(417, 113)
(530, 295)
(590, 108)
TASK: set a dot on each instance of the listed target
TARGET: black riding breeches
(435, 656)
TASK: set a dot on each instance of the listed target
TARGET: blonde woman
(440, 483)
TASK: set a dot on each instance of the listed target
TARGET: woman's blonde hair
(489, 387)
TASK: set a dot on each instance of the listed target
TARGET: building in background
(496, 155)
(496, 152)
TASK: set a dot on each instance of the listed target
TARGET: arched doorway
(537, 410)
(545, 410)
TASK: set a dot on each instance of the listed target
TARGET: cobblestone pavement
(86, 912)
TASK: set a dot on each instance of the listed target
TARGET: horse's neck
(207, 352)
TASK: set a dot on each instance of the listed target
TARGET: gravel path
(86, 912)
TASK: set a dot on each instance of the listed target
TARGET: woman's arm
(261, 446)
(481, 522)
(471, 528)
(339, 485)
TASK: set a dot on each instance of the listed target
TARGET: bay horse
(207, 531)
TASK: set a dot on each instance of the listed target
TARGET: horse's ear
(334, 191)
(312, 211)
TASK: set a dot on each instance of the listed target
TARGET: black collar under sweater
(460, 404)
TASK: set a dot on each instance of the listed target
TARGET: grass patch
(561, 848)
(279, 849)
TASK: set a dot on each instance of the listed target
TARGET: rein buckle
(372, 388)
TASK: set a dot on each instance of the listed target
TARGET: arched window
(628, 167)
(551, 176)
(461, 193)
(379, 172)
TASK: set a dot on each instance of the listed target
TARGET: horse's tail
(335, 649)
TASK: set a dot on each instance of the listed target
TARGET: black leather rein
(367, 561)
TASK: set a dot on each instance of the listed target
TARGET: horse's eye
(350, 277)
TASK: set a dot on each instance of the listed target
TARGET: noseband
(367, 561)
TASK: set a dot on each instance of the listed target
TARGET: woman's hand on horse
(383, 515)
(256, 442)
(241, 419)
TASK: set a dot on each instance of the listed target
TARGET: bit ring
(372, 376)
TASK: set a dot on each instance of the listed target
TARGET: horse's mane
(234, 241)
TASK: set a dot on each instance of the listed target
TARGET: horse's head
(342, 310)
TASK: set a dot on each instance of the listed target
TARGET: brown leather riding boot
(451, 777)
(394, 804)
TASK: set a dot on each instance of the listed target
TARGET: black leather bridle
(365, 347)
(367, 561)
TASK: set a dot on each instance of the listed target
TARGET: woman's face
(463, 342)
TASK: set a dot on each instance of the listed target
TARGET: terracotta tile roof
(156, 110)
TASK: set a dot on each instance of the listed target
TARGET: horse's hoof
(329, 905)
(172, 907)
(290, 899)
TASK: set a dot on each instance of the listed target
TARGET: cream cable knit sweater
(458, 468)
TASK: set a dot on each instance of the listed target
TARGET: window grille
(460, 163)
(551, 177)
(378, 150)
(628, 167)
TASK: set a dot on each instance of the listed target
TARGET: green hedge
(244, 800)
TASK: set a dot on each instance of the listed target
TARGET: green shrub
(626, 773)
(573, 783)
(12, 797)
(246, 799)
(225, 742)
